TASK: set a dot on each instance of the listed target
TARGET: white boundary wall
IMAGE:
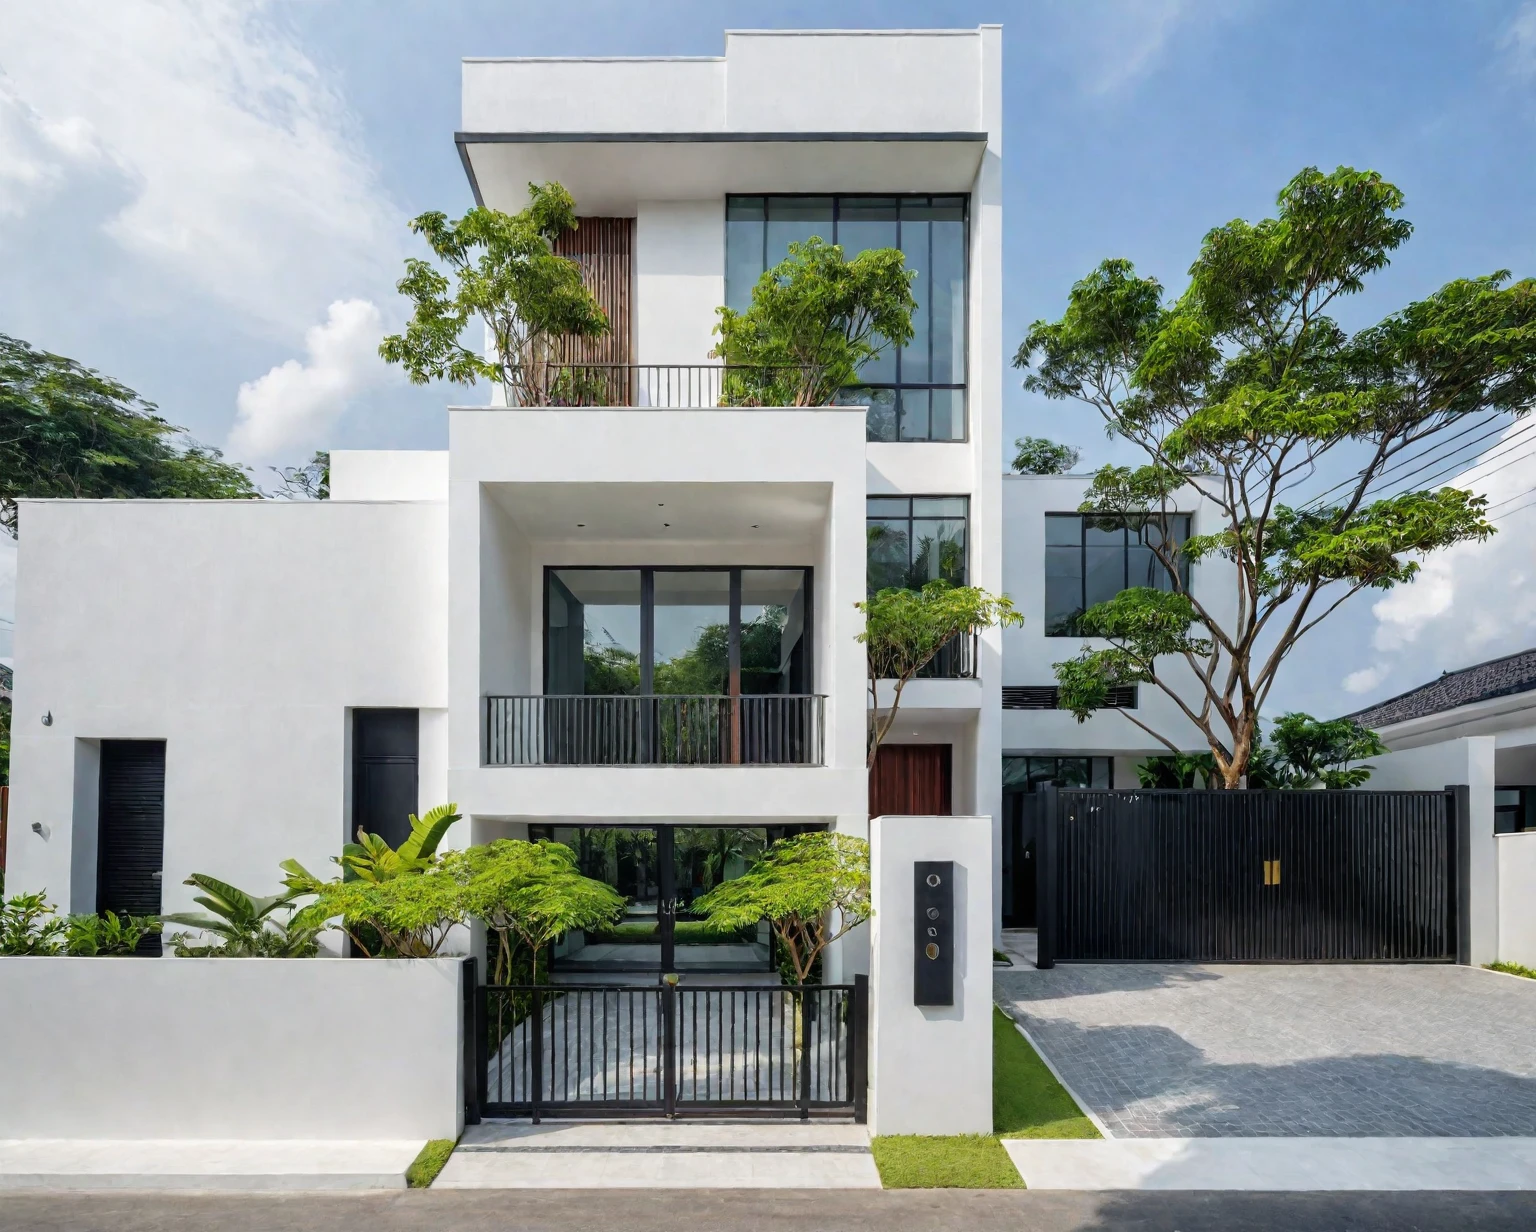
(231, 1048)
(1517, 897)
(930, 1067)
(1452, 763)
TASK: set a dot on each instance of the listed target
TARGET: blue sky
(207, 201)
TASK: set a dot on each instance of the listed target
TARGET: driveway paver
(1172, 1050)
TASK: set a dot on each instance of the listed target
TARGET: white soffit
(609, 173)
(616, 512)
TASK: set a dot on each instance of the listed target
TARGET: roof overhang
(608, 173)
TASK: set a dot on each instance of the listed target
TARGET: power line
(1436, 447)
(1518, 437)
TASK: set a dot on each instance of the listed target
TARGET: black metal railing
(655, 730)
(956, 660)
(668, 385)
(665, 1049)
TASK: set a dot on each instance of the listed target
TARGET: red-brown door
(911, 780)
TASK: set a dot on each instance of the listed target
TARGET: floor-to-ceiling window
(915, 392)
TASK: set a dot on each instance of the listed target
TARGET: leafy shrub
(29, 927)
(88, 936)
(247, 926)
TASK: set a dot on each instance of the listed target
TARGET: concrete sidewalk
(1279, 1165)
(661, 1155)
(223, 1164)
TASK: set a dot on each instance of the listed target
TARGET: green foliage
(1240, 390)
(5, 748)
(1303, 752)
(68, 431)
(1027, 1101)
(1510, 968)
(953, 1161)
(904, 629)
(312, 481)
(529, 893)
(89, 936)
(1319, 752)
(29, 927)
(408, 916)
(1038, 456)
(811, 889)
(246, 926)
(506, 273)
(815, 320)
(428, 1163)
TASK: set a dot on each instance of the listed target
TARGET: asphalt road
(769, 1211)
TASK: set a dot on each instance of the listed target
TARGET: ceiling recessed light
(666, 523)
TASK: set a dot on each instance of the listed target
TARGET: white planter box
(230, 1048)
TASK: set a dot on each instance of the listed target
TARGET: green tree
(506, 273)
(312, 481)
(528, 894)
(1038, 456)
(68, 431)
(904, 629)
(1322, 752)
(5, 743)
(815, 320)
(811, 889)
(1241, 389)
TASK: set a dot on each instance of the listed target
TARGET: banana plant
(246, 923)
(373, 859)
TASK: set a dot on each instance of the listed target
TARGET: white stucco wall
(930, 1067)
(1454, 762)
(1516, 855)
(241, 633)
(389, 474)
(247, 1048)
(662, 94)
(679, 279)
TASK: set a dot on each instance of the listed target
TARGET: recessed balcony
(655, 730)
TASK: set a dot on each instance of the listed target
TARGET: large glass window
(1028, 773)
(1091, 558)
(918, 392)
(915, 539)
(684, 631)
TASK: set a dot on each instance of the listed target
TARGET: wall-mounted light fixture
(42, 831)
(48, 719)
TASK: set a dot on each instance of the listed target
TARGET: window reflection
(915, 540)
(593, 631)
(1090, 559)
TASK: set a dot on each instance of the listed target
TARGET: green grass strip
(1512, 969)
(960, 1161)
(429, 1162)
(1027, 1101)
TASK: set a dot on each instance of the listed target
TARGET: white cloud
(1475, 600)
(296, 401)
(1366, 679)
(239, 172)
(1519, 40)
(1116, 45)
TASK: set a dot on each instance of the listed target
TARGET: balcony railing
(956, 660)
(667, 385)
(655, 730)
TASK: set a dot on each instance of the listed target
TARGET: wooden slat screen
(604, 248)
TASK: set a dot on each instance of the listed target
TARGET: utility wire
(1523, 436)
(1436, 447)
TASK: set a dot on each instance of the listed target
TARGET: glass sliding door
(702, 858)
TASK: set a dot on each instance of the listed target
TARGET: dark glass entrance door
(660, 871)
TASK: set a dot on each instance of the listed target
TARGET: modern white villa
(628, 627)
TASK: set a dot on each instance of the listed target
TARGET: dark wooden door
(384, 759)
(130, 835)
(911, 780)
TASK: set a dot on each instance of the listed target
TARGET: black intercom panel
(933, 975)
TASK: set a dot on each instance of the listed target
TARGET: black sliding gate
(668, 1050)
(1251, 876)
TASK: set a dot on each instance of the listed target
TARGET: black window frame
(897, 386)
(1127, 522)
(648, 618)
(910, 517)
(1030, 783)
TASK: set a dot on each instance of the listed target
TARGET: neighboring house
(5, 683)
(630, 627)
(1496, 698)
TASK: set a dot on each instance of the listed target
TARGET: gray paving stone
(1164, 1050)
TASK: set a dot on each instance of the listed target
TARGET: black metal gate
(1251, 876)
(669, 1050)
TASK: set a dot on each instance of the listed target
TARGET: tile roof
(5, 680)
(1514, 673)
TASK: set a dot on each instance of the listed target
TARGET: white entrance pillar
(930, 1065)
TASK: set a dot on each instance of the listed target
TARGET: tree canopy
(68, 431)
(506, 273)
(815, 320)
(1244, 388)
(1038, 456)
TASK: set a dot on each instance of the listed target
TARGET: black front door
(1020, 844)
(130, 835)
(384, 759)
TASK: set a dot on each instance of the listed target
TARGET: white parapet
(1517, 897)
(930, 1067)
(314, 1049)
